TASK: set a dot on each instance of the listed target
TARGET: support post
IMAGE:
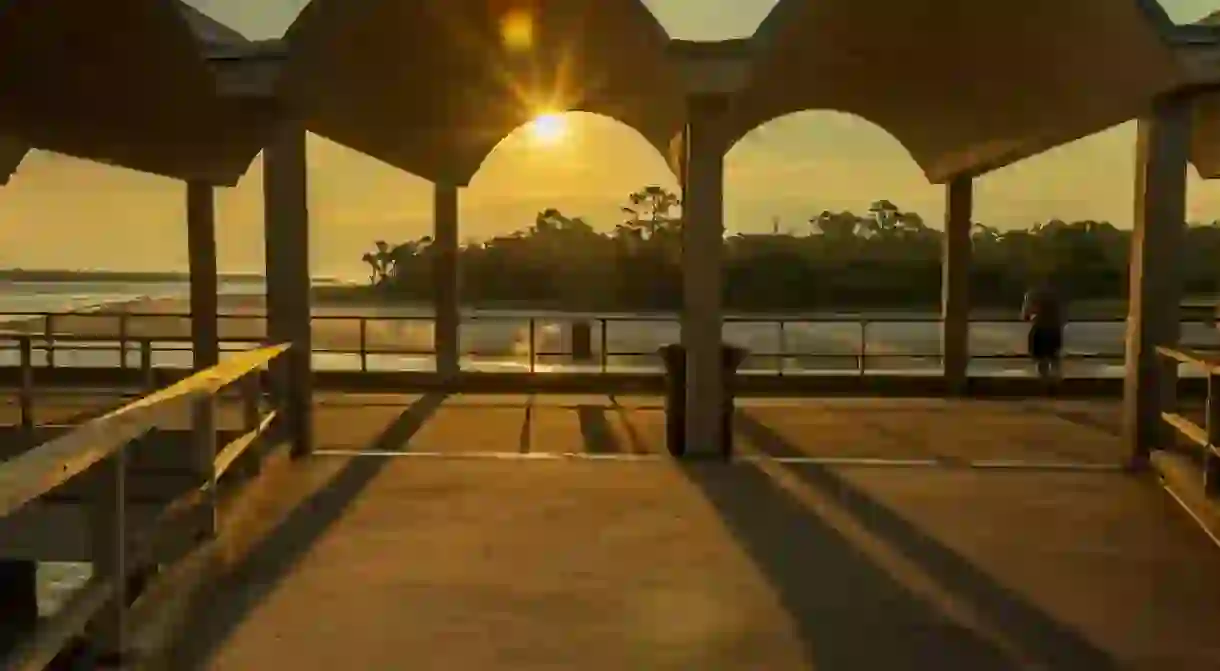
(955, 284)
(201, 248)
(684, 327)
(446, 286)
(286, 242)
(1153, 319)
(108, 544)
(25, 398)
(702, 265)
(203, 459)
(205, 324)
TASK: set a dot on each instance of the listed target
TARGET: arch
(745, 127)
(432, 87)
(1205, 135)
(958, 103)
(477, 154)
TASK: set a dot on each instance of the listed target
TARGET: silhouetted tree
(887, 257)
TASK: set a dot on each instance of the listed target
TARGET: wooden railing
(1205, 437)
(101, 445)
(779, 345)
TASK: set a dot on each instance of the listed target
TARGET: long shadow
(1077, 417)
(1039, 636)
(849, 613)
(525, 438)
(595, 430)
(275, 555)
(638, 446)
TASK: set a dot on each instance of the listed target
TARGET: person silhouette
(1044, 312)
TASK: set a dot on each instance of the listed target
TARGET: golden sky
(61, 212)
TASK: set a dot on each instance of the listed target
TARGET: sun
(548, 129)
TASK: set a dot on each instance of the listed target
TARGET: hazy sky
(61, 212)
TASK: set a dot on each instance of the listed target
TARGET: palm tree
(651, 209)
(379, 262)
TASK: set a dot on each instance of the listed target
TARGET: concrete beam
(285, 194)
(446, 289)
(201, 246)
(702, 274)
(1162, 151)
(955, 283)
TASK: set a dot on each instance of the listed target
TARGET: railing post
(364, 345)
(146, 366)
(605, 345)
(123, 341)
(782, 345)
(48, 330)
(277, 395)
(203, 456)
(26, 395)
(108, 545)
(533, 344)
(251, 395)
(863, 346)
(1211, 460)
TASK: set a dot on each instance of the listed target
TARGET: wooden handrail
(1206, 437)
(38, 471)
(1208, 361)
(103, 604)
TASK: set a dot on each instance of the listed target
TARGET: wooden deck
(499, 533)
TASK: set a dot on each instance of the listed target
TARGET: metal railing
(101, 446)
(779, 345)
(1205, 437)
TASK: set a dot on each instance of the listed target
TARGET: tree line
(886, 257)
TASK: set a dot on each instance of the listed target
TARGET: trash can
(674, 358)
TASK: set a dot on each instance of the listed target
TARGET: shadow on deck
(518, 533)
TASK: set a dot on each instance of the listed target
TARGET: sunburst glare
(548, 129)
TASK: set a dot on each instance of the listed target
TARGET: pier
(238, 491)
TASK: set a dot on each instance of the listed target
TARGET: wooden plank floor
(517, 563)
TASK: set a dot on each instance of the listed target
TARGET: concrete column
(285, 195)
(201, 248)
(684, 185)
(955, 284)
(702, 268)
(446, 286)
(1153, 318)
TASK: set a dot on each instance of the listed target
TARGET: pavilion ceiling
(12, 151)
(964, 86)
(434, 87)
(123, 82)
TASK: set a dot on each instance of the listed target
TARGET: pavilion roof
(964, 87)
(122, 82)
(11, 153)
(433, 87)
